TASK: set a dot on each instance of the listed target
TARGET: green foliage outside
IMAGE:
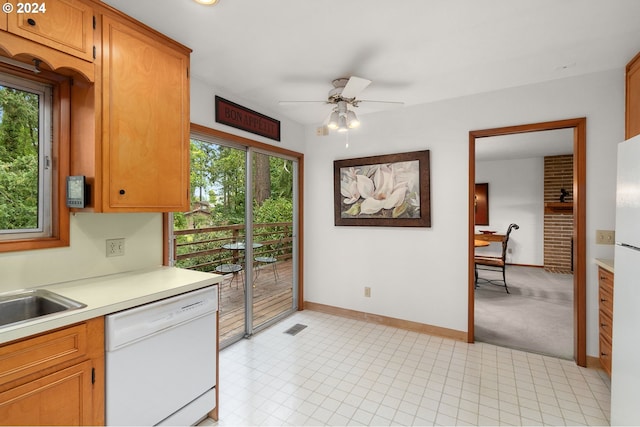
(18, 159)
(218, 199)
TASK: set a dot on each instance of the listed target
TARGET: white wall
(86, 255)
(203, 113)
(516, 195)
(415, 274)
(421, 274)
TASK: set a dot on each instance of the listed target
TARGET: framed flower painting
(391, 190)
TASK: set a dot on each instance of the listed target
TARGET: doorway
(578, 126)
(243, 224)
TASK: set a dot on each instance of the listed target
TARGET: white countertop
(108, 294)
(607, 264)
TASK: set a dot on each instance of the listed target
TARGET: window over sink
(25, 159)
(33, 159)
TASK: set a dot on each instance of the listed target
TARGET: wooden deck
(270, 298)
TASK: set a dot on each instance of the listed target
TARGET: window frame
(59, 163)
(45, 107)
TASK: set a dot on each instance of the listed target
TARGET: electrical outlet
(605, 237)
(367, 292)
(115, 247)
(322, 131)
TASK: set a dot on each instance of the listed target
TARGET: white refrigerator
(625, 363)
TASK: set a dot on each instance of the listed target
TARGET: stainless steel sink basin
(29, 304)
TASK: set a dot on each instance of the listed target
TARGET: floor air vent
(295, 329)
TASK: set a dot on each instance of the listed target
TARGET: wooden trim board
(579, 126)
(387, 321)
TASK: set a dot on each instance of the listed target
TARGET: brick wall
(558, 227)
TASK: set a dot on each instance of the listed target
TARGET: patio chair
(494, 263)
(234, 269)
(269, 260)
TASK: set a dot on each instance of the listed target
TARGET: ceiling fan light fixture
(342, 124)
(333, 120)
(352, 120)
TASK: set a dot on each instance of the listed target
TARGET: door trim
(579, 126)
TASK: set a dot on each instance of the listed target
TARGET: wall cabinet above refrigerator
(632, 118)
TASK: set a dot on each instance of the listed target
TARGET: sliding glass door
(242, 225)
(273, 200)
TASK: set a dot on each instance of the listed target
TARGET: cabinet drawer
(606, 299)
(605, 354)
(606, 325)
(65, 25)
(605, 279)
(28, 356)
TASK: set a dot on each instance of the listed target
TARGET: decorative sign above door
(231, 114)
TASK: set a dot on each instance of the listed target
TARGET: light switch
(605, 237)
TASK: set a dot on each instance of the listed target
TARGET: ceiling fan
(343, 96)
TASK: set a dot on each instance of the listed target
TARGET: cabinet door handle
(121, 191)
(603, 354)
(31, 22)
(603, 325)
(601, 299)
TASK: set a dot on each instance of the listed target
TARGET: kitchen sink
(28, 304)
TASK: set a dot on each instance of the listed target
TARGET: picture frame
(481, 204)
(391, 190)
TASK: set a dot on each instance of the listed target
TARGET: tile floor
(339, 371)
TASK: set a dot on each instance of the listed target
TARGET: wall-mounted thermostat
(76, 191)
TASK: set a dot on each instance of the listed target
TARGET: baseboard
(388, 321)
(526, 265)
(594, 363)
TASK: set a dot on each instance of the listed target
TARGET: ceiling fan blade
(369, 101)
(301, 102)
(354, 86)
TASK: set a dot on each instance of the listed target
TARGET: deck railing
(201, 248)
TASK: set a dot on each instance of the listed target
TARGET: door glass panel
(273, 237)
(209, 236)
(214, 236)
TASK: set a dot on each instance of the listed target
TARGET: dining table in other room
(489, 237)
(481, 243)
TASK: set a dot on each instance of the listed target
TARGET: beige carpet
(537, 315)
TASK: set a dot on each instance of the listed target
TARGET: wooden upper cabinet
(129, 126)
(632, 118)
(64, 25)
(145, 120)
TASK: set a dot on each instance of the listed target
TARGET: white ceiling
(415, 51)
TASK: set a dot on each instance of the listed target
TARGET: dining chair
(494, 263)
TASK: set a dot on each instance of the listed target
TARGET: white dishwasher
(161, 361)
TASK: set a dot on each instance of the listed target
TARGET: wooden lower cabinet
(55, 378)
(605, 318)
(62, 398)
